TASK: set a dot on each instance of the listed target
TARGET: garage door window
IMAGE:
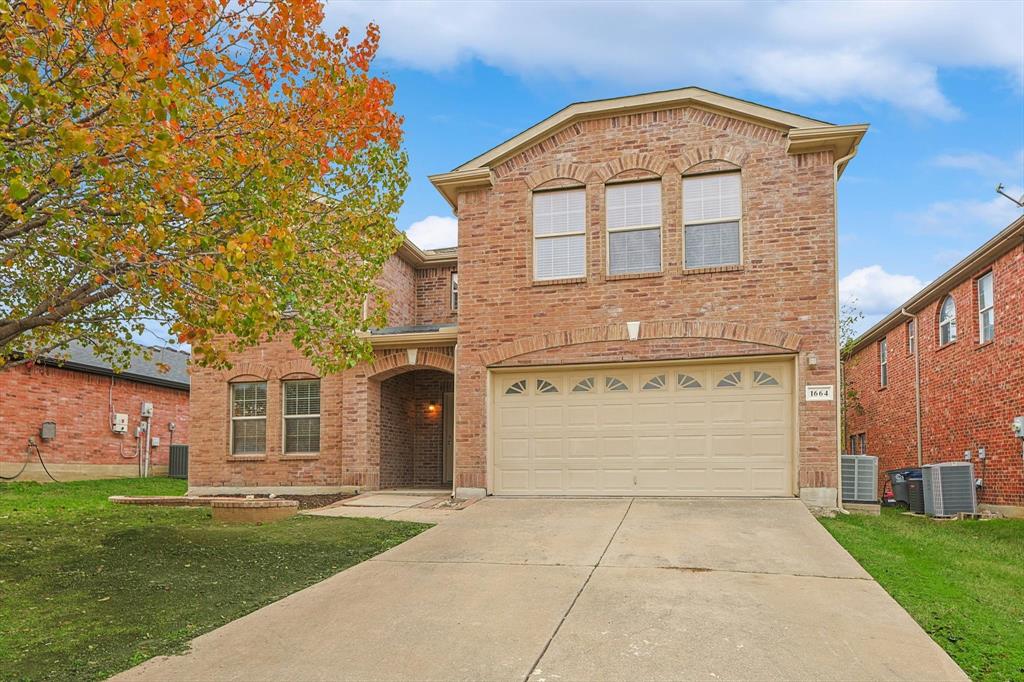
(545, 386)
(687, 381)
(764, 379)
(517, 388)
(655, 383)
(731, 380)
(614, 384)
(584, 385)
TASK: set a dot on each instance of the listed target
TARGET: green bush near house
(88, 588)
(963, 581)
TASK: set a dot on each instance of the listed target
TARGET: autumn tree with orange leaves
(221, 166)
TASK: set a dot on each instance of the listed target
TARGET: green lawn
(963, 581)
(88, 588)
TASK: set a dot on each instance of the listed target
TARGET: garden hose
(24, 464)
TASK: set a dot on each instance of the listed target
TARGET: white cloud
(816, 51)
(986, 165)
(874, 291)
(434, 232)
(969, 218)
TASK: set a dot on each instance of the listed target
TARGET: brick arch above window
(562, 171)
(299, 368)
(654, 164)
(737, 156)
(661, 329)
(248, 371)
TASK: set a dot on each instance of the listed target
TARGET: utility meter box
(147, 409)
(155, 441)
(48, 430)
(120, 423)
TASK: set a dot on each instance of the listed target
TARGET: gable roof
(1009, 237)
(82, 358)
(805, 134)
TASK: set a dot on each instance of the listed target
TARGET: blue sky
(942, 85)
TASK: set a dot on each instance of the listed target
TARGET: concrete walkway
(585, 589)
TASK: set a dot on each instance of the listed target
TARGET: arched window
(947, 321)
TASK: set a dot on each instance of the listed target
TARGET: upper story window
(986, 309)
(302, 416)
(947, 321)
(249, 418)
(883, 363)
(911, 336)
(455, 291)
(633, 217)
(559, 234)
(712, 209)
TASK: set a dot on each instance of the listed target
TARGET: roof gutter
(107, 372)
(445, 336)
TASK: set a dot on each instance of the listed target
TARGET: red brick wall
(398, 282)
(81, 405)
(970, 393)
(433, 296)
(786, 282)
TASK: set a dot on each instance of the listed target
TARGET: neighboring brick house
(953, 377)
(80, 394)
(645, 287)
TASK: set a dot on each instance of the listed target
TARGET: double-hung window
(559, 234)
(249, 418)
(986, 309)
(911, 336)
(302, 416)
(633, 218)
(455, 291)
(712, 209)
(883, 363)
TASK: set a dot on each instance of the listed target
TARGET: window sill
(633, 275)
(564, 280)
(717, 268)
(945, 346)
(982, 346)
(246, 458)
(300, 456)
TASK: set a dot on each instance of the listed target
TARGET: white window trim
(912, 336)
(991, 306)
(453, 290)
(583, 233)
(738, 219)
(286, 417)
(634, 228)
(883, 363)
(233, 419)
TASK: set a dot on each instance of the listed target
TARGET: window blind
(712, 197)
(713, 244)
(559, 224)
(633, 218)
(634, 251)
(633, 204)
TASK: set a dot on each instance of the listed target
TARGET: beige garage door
(674, 429)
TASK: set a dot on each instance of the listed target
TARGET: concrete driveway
(585, 589)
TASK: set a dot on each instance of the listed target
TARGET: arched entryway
(416, 429)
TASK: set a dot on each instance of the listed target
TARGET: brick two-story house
(941, 378)
(644, 288)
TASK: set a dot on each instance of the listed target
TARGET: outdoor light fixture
(431, 407)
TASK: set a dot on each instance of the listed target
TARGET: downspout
(917, 381)
(839, 359)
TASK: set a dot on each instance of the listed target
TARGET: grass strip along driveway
(88, 588)
(963, 581)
